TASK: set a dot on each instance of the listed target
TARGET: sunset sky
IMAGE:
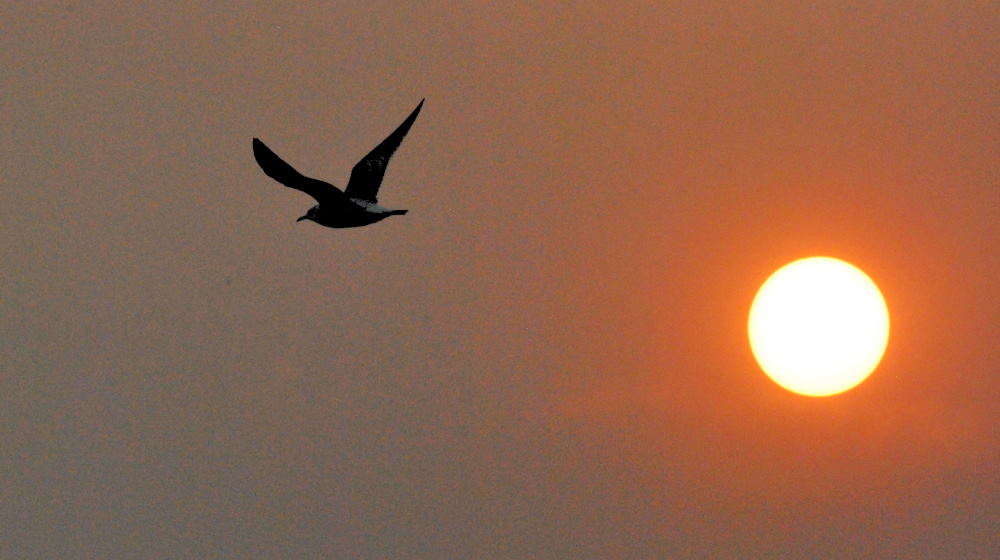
(547, 356)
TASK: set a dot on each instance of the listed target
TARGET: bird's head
(310, 215)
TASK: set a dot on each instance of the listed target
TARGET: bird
(355, 206)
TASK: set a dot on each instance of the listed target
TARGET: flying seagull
(356, 205)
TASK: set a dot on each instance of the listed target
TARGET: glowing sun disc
(818, 326)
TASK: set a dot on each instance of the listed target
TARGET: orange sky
(547, 357)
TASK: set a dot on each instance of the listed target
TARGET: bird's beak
(302, 218)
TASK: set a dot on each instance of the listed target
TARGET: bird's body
(355, 206)
(354, 213)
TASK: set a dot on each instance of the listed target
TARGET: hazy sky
(546, 358)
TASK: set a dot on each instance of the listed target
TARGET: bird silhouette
(355, 206)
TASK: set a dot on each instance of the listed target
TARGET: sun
(818, 326)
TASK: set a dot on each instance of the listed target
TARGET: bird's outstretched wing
(366, 177)
(277, 169)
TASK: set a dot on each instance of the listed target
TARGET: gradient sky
(547, 357)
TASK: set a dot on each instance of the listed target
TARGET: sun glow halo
(818, 326)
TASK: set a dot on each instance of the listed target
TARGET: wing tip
(413, 114)
(260, 150)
